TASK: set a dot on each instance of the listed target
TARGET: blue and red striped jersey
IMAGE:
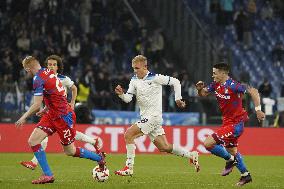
(46, 84)
(229, 97)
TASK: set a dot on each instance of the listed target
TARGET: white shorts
(151, 126)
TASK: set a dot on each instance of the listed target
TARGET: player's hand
(180, 103)
(41, 112)
(199, 85)
(260, 115)
(20, 122)
(118, 90)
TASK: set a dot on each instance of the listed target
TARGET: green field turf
(151, 171)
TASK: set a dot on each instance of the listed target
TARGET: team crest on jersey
(226, 91)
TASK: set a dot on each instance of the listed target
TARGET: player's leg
(159, 139)
(71, 150)
(96, 141)
(65, 128)
(245, 174)
(216, 149)
(37, 136)
(33, 163)
(129, 136)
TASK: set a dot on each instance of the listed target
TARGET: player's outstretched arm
(34, 108)
(202, 91)
(171, 81)
(256, 100)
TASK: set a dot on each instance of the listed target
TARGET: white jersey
(148, 92)
(66, 82)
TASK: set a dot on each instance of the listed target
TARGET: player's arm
(256, 101)
(34, 108)
(171, 81)
(74, 95)
(126, 97)
(202, 91)
(70, 85)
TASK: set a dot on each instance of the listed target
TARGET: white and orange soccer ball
(99, 175)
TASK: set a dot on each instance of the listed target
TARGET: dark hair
(58, 60)
(222, 66)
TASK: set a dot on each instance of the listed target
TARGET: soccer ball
(99, 175)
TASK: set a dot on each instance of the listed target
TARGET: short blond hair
(139, 58)
(29, 60)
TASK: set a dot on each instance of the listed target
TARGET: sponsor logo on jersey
(227, 97)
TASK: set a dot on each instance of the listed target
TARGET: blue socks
(83, 153)
(220, 151)
(241, 165)
(41, 158)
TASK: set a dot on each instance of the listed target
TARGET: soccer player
(55, 64)
(147, 87)
(59, 118)
(223, 143)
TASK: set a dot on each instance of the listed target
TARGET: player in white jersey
(147, 87)
(55, 63)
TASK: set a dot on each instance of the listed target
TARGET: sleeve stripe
(37, 94)
(169, 80)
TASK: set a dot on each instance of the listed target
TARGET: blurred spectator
(103, 91)
(214, 9)
(85, 13)
(277, 54)
(268, 109)
(265, 88)
(244, 26)
(156, 46)
(226, 12)
(83, 91)
(266, 11)
(251, 7)
(23, 42)
(74, 48)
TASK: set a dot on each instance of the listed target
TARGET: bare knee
(128, 137)
(31, 142)
(207, 145)
(69, 153)
(209, 142)
(69, 150)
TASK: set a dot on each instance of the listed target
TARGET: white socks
(43, 145)
(180, 151)
(84, 138)
(130, 148)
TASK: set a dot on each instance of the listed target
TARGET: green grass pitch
(151, 171)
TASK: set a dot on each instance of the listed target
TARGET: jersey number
(66, 133)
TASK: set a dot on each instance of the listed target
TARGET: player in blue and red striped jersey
(55, 63)
(59, 118)
(224, 141)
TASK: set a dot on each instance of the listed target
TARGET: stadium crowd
(96, 39)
